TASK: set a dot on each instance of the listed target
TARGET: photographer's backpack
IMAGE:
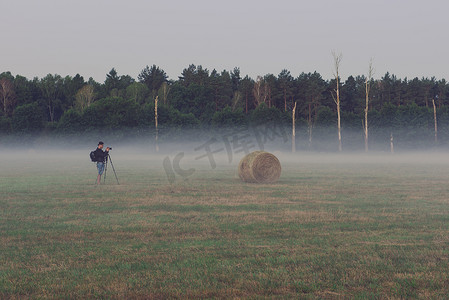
(92, 156)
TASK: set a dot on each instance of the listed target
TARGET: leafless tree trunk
(310, 124)
(7, 96)
(391, 143)
(155, 122)
(236, 100)
(294, 129)
(337, 61)
(260, 91)
(85, 96)
(268, 94)
(367, 90)
(435, 120)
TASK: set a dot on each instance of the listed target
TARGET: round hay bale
(259, 167)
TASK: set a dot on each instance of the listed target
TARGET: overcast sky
(405, 37)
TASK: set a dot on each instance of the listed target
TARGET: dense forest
(203, 99)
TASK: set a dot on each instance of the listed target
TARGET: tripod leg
(113, 169)
(105, 169)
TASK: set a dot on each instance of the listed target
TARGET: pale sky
(89, 37)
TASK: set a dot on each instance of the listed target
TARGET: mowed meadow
(334, 226)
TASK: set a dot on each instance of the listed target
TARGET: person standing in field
(100, 157)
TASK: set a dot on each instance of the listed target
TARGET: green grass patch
(362, 231)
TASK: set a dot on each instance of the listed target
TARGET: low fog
(213, 150)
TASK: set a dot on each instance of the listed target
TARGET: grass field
(328, 229)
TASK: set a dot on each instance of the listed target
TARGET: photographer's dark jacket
(100, 155)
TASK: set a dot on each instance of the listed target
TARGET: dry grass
(323, 231)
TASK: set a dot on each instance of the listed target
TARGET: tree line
(199, 98)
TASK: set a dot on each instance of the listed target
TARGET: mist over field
(181, 222)
(199, 150)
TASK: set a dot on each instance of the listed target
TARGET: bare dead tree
(391, 143)
(85, 96)
(259, 91)
(337, 61)
(435, 120)
(7, 96)
(155, 122)
(267, 93)
(236, 100)
(294, 129)
(367, 90)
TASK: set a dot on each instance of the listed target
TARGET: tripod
(108, 157)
